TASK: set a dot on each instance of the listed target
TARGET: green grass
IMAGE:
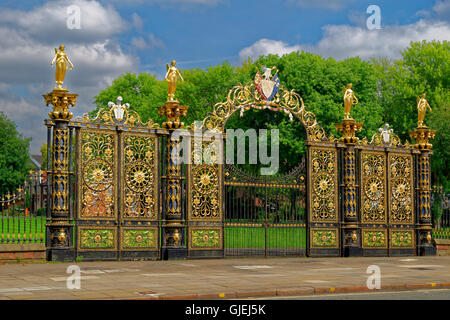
(254, 237)
(235, 237)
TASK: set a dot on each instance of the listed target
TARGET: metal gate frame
(135, 175)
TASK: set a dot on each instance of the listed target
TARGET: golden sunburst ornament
(139, 176)
(98, 175)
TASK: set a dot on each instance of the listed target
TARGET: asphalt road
(434, 294)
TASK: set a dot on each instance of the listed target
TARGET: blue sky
(118, 36)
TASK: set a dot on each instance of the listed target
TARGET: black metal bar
(49, 176)
(70, 202)
(265, 218)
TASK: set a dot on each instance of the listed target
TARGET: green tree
(424, 67)
(14, 156)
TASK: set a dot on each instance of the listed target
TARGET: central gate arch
(227, 228)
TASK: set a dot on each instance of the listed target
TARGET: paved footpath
(218, 279)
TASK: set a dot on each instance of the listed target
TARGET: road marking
(91, 271)
(81, 277)
(4, 290)
(331, 269)
(188, 264)
(38, 288)
(422, 266)
(161, 274)
(252, 267)
(406, 260)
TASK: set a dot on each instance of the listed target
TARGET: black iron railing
(440, 204)
(23, 212)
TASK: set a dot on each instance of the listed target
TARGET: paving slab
(210, 279)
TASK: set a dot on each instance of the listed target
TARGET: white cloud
(321, 4)
(152, 43)
(266, 46)
(343, 41)
(442, 9)
(165, 2)
(28, 42)
(49, 21)
(137, 21)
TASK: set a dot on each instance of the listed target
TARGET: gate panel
(324, 236)
(97, 209)
(401, 201)
(373, 203)
(118, 198)
(139, 218)
(205, 206)
(265, 215)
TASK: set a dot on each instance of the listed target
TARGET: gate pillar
(59, 229)
(422, 135)
(351, 236)
(173, 224)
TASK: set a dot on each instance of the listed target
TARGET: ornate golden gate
(132, 201)
(118, 174)
(388, 208)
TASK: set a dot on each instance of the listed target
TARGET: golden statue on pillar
(62, 61)
(422, 105)
(60, 98)
(172, 75)
(349, 100)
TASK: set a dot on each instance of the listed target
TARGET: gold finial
(422, 105)
(349, 100)
(62, 62)
(172, 75)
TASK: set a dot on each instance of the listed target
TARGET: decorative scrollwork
(129, 118)
(324, 185)
(244, 97)
(205, 188)
(373, 178)
(401, 197)
(140, 165)
(296, 176)
(97, 174)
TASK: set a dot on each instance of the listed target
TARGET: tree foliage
(386, 91)
(14, 156)
(424, 67)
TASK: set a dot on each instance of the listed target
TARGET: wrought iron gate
(265, 215)
(118, 174)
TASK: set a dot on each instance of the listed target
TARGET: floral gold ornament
(96, 167)
(139, 238)
(140, 169)
(401, 193)
(402, 238)
(265, 92)
(324, 238)
(374, 239)
(324, 184)
(205, 238)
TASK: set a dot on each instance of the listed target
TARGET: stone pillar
(173, 223)
(350, 226)
(422, 135)
(59, 229)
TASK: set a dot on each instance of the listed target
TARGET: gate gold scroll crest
(97, 161)
(244, 97)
